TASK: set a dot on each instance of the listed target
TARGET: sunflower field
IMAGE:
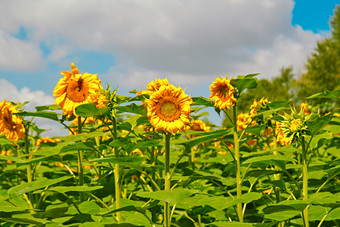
(149, 159)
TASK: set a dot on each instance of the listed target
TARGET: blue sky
(128, 44)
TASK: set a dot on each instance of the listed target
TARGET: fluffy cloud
(187, 41)
(35, 98)
(18, 54)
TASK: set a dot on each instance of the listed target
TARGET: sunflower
(75, 89)
(198, 125)
(304, 107)
(243, 121)
(10, 125)
(260, 105)
(295, 125)
(154, 86)
(222, 93)
(168, 109)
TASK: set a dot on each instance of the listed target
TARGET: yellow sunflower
(154, 86)
(304, 107)
(198, 125)
(243, 121)
(168, 109)
(222, 93)
(10, 125)
(258, 105)
(75, 89)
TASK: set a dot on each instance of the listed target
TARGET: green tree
(323, 66)
(278, 89)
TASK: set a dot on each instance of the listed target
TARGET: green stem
(238, 168)
(305, 180)
(29, 167)
(80, 164)
(116, 173)
(167, 179)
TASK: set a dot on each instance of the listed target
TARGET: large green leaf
(333, 214)
(63, 189)
(171, 197)
(133, 162)
(205, 136)
(315, 126)
(326, 94)
(34, 185)
(202, 101)
(131, 108)
(48, 107)
(43, 114)
(244, 82)
(90, 110)
(269, 159)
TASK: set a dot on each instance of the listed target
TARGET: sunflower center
(295, 125)
(169, 111)
(77, 91)
(224, 92)
(9, 124)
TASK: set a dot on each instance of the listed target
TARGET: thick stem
(238, 167)
(80, 164)
(305, 181)
(167, 179)
(116, 173)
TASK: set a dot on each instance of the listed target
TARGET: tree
(323, 66)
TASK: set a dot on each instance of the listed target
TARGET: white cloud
(35, 98)
(18, 54)
(189, 41)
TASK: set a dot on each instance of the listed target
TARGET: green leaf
(133, 162)
(48, 107)
(256, 130)
(205, 136)
(131, 108)
(244, 82)
(228, 224)
(172, 197)
(8, 207)
(76, 147)
(63, 189)
(89, 207)
(333, 214)
(34, 185)
(326, 94)
(269, 159)
(90, 110)
(278, 104)
(319, 123)
(282, 214)
(202, 101)
(43, 114)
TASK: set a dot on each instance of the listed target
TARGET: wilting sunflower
(75, 89)
(10, 125)
(222, 93)
(260, 105)
(168, 109)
